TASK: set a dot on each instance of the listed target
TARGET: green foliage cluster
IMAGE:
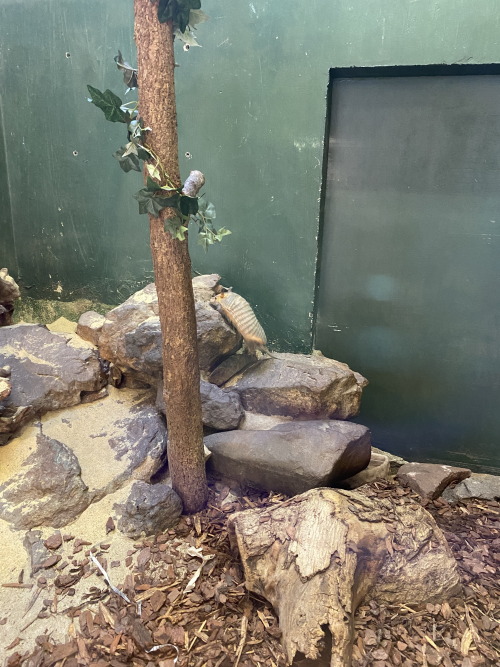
(159, 191)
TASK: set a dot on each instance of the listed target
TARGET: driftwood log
(317, 556)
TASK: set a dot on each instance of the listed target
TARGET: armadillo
(240, 314)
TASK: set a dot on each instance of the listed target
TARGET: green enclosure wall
(252, 107)
(252, 110)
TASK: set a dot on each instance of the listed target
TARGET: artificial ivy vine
(185, 15)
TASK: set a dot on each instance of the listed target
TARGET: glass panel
(409, 290)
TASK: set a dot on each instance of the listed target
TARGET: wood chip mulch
(189, 606)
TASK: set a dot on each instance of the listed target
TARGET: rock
(9, 289)
(216, 339)
(430, 479)
(228, 368)
(221, 408)
(300, 386)
(116, 438)
(293, 457)
(96, 449)
(49, 371)
(477, 485)
(5, 388)
(149, 509)
(89, 326)
(37, 551)
(131, 337)
(395, 461)
(9, 292)
(252, 421)
(54, 541)
(46, 490)
(378, 468)
(91, 396)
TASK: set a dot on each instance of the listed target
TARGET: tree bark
(317, 556)
(172, 264)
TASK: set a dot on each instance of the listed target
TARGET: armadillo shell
(239, 312)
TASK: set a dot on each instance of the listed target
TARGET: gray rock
(293, 457)
(117, 438)
(75, 457)
(149, 509)
(221, 408)
(37, 551)
(131, 334)
(49, 371)
(47, 490)
(429, 480)
(300, 386)
(230, 367)
(90, 325)
(477, 485)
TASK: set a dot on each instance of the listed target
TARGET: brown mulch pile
(189, 606)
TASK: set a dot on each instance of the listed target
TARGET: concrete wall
(252, 108)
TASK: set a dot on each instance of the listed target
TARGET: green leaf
(188, 205)
(153, 171)
(221, 233)
(175, 228)
(152, 186)
(149, 203)
(110, 104)
(127, 161)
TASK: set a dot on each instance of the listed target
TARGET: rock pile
(71, 438)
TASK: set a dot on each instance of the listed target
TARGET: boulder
(71, 458)
(293, 457)
(47, 489)
(150, 509)
(486, 487)
(131, 336)
(48, 372)
(89, 326)
(300, 386)
(230, 367)
(9, 292)
(221, 409)
(429, 480)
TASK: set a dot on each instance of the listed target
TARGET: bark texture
(317, 556)
(172, 264)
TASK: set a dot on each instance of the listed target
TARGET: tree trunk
(317, 556)
(172, 265)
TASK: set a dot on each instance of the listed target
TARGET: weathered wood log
(317, 556)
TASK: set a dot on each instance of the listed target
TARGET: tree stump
(317, 556)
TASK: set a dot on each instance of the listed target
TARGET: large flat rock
(48, 371)
(300, 386)
(293, 457)
(72, 458)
